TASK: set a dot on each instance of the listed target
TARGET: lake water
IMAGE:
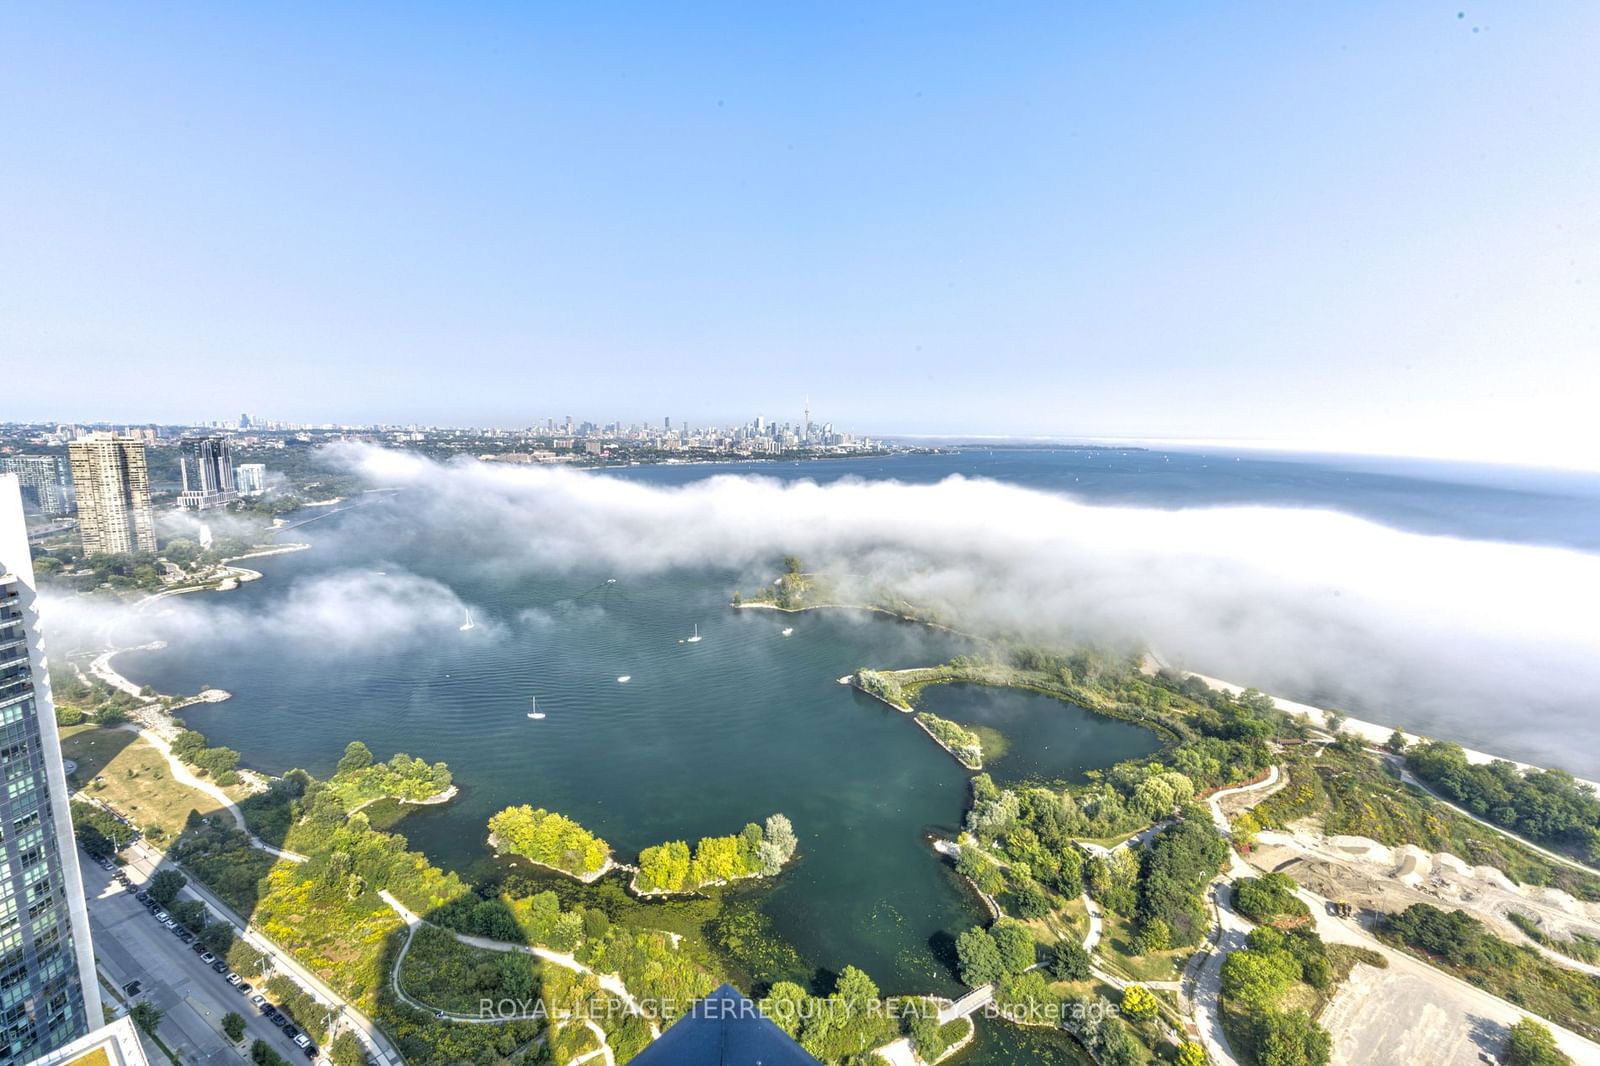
(708, 736)
(1043, 738)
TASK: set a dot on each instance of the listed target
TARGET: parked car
(169, 923)
(243, 988)
(207, 958)
(235, 980)
(258, 999)
(185, 936)
(199, 949)
(301, 1040)
(310, 1050)
(143, 897)
(160, 914)
(265, 1008)
(290, 1031)
(221, 965)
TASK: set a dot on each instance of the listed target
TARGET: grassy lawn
(1068, 922)
(1156, 966)
(133, 777)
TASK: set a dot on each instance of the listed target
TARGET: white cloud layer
(1474, 639)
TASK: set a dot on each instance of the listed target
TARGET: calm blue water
(708, 736)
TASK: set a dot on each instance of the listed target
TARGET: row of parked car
(268, 1010)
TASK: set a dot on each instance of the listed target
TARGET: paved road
(130, 945)
(1468, 1011)
(144, 860)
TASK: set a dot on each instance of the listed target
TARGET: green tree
(217, 937)
(346, 1050)
(191, 914)
(1291, 1038)
(233, 1025)
(146, 1016)
(357, 756)
(1396, 742)
(1258, 978)
(979, 958)
(1030, 900)
(785, 1006)
(1190, 1054)
(1530, 1043)
(927, 1036)
(1138, 1001)
(1015, 945)
(261, 1054)
(1069, 961)
(165, 886)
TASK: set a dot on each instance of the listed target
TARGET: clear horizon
(1351, 230)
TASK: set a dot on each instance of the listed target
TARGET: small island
(546, 838)
(359, 780)
(756, 852)
(958, 740)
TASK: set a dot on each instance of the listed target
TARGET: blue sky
(1362, 226)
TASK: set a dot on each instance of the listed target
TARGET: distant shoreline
(1371, 731)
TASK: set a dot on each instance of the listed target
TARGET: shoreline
(873, 608)
(589, 878)
(1372, 732)
(978, 769)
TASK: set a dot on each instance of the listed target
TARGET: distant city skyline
(1364, 228)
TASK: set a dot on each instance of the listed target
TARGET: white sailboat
(788, 631)
(536, 714)
(696, 638)
(468, 623)
(624, 679)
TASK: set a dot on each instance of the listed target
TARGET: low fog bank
(1495, 644)
(326, 615)
(1492, 644)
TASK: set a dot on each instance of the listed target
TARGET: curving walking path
(1232, 929)
(610, 982)
(184, 776)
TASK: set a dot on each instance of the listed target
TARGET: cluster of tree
(842, 1027)
(1547, 805)
(1002, 950)
(929, 1039)
(882, 686)
(962, 742)
(328, 912)
(550, 839)
(1530, 1043)
(359, 778)
(1256, 979)
(310, 1014)
(220, 763)
(1093, 1022)
(1173, 870)
(97, 829)
(755, 852)
(1269, 898)
(1128, 796)
(78, 700)
(1456, 941)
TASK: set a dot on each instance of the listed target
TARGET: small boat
(468, 623)
(611, 581)
(694, 639)
(624, 679)
(788, 631)
(536, 714)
